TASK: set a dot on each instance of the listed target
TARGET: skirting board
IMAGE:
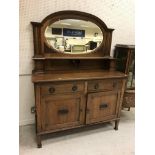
(26, 122)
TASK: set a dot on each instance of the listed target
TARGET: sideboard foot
(39, 144)
(116, 124)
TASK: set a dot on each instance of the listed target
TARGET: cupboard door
(102, 106)
(62, 111)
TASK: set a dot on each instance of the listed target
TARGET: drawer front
(102, 106)
(60, 88)
(104, 85)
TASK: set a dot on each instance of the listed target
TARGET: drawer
(104, 85)
(60, 88)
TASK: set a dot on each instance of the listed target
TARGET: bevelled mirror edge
(73, 36)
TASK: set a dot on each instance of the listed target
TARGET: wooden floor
(101, 141)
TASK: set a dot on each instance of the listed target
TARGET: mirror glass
(73, 36)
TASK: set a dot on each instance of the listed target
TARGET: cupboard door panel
(62, 111)
(102, 106)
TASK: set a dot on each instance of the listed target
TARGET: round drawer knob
(96, 86)
(51, 90)
(74, 88)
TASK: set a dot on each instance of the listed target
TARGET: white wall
(117, 14)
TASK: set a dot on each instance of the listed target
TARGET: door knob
(51, 90)
(74, 88)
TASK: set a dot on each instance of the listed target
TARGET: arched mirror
(73, 36)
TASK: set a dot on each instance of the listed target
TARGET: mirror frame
(43, 49)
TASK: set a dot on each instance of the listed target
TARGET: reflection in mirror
(73, 36)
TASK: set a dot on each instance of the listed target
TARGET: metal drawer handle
(96, 86)
(63, 111)
(51, 90)
(103, 105)
(74, 88)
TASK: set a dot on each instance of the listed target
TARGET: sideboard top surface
(82, 75)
